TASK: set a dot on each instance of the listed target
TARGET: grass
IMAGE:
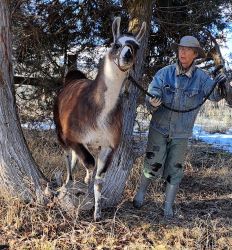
(203, 206)
(215, 117)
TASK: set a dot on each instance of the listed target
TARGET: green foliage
(46, 30)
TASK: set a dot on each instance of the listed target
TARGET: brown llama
(88, 111)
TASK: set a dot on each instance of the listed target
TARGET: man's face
(186, 56)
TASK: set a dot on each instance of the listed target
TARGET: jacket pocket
(192, 98)
(168, 93)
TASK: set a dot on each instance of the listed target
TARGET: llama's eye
(117, 46)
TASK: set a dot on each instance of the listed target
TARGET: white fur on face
(122, 56)
(124, 39)
(125, 50)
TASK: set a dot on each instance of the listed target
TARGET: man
(179, 86)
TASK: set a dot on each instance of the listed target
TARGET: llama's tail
(57, 123)
(73, 75)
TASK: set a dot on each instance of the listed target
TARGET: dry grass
(203, 221)
(215, 117)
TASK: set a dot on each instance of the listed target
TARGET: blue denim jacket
(180, 92)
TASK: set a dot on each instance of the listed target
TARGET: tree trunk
(19, 175)
(119, 170)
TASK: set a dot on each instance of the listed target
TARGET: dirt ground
(203, 210)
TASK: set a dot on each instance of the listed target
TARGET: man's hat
(192, 42)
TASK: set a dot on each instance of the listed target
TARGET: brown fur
(77, 108)
(89, 111)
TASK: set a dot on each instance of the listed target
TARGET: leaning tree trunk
(19, 175)
(119, 170)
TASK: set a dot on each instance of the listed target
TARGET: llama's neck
(113, 78)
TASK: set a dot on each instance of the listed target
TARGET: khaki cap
(192, 42)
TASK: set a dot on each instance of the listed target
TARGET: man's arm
(217, 94)
(155, 88)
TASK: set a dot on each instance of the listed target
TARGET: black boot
(170, 195)
(139, 197)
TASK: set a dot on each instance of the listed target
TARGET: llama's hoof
(97, 217)
(88, 177)
(87, 180)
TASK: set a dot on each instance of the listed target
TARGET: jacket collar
(181, 71)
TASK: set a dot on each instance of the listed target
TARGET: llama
(89, 112)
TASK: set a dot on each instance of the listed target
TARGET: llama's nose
(128, 54)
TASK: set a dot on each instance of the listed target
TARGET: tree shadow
(193, 201)
(186, 213)
(195, 185)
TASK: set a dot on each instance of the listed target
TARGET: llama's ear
(141, 33)
(116, 28)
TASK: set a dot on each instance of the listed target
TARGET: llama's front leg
(103, 162)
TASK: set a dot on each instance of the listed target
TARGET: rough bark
(19, 175)
(118, 173)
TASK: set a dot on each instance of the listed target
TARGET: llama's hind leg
(88, 161)
(104, 160)
(80, 152)
(88, 176)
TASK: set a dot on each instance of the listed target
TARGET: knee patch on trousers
(168, 179)
(150, 155)
(178, 165)
(156, 166)
(153, 170)
(175, 174)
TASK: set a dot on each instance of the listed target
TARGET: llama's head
(124, 47)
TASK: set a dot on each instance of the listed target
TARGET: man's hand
(155, 102)
(220, 78)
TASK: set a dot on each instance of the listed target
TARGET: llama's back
(73, 75)
(57, 123)
(73, 108)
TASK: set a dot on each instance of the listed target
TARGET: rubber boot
(139, 197)
(170, 195)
